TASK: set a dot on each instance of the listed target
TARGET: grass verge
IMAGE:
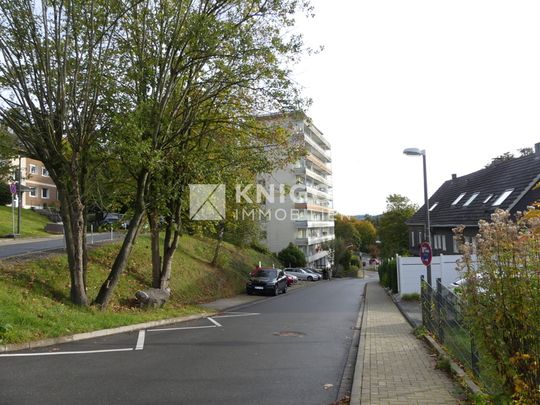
(34, 292)
(32, 223)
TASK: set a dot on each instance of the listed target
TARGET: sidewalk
(393, 366)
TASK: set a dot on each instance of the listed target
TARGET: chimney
(537, 149)
(454, 176)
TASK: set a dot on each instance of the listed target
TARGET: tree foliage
(393, 231)
(292, 256)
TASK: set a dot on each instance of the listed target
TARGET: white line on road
(182, 328)
(58, 353)
(236, 314)
(140, 340)
(215, 322)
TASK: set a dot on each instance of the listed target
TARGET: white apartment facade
(305, 216)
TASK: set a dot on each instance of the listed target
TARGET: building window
(44, 172)
(502, 197)
(471, 199)
(433, 206)
(32, 192)
(33, 169)
(458, 199)
(45, 193)
(412, 239)
(488, 198)
(456, 247)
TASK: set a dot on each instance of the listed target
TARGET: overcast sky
(460, 79)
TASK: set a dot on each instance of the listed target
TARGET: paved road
(289, 349)
(9, 248)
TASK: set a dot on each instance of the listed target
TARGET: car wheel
(285, 289)
(276, 290)
(310, 278)
(249, 292)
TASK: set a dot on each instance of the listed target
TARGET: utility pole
(19, 196)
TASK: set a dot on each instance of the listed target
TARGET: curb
(99, 333)
(403, 312)
(356, 391)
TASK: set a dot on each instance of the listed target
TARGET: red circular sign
(426, 254)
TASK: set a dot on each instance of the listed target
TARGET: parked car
(291, 279)
(301, 274)
(271, 281)
(374, 261)
(316, 275)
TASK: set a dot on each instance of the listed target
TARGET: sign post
(13, 190)
(426, 254)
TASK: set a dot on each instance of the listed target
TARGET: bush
(292, 256)
(388, 274)
(259, 247)
(502, 300)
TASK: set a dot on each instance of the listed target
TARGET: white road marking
(140, 340)
(236, 314)
(215, 322)
(59, 353)
(182, 328)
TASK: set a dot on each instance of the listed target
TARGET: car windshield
(266, 273)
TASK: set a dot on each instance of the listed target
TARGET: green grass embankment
(32, 223)
(34, 293)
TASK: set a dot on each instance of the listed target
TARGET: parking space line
(214, 322)
(140, 340)
(182, 328)
(59, 353)
(236, 314)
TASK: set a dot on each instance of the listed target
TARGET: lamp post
(427, 224)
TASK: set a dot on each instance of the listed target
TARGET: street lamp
(427, 224)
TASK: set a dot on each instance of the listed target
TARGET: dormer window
(459, 198)
(487, 198)
(471, 199)
(433, 206)
(502, 197)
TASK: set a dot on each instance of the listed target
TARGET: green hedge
(388, 274)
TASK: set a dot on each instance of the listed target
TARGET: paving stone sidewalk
(394, 367)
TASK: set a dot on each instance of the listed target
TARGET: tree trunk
(153, 220)
(218, 244)
(170, 244)
(72, 212)
(105, 293)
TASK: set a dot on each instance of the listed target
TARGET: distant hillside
(362, 217)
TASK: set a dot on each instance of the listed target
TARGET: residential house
(41, 190)
(465, 200)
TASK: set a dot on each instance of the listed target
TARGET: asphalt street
(289, 349)
(18, 247)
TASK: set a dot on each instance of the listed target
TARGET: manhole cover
(289, 333)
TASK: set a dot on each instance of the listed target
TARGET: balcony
(323, 153)
(312, 240)
(314, 224)
(316, 192)
(318, 177)
(313, 207)
(319, 163)
(316, 256)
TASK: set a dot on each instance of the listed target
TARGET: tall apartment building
(305, 216)
(41, 188)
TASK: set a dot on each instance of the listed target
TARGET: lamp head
(414, 152)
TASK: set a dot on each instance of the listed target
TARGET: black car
(271, 281)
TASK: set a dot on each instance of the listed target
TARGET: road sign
(426, 253)
(13, 188)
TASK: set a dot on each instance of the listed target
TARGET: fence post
(474, 358)
(439, 303)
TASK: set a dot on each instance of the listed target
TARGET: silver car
(302, 274)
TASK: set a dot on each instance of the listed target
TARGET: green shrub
(410, 297)
(388, 274)
(292, 256)
(502, 301)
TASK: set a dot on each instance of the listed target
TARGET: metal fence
(442, 316)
